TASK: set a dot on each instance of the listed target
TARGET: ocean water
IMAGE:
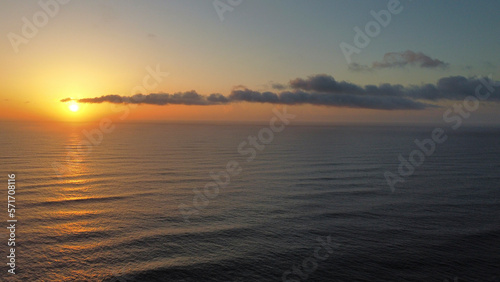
(313, 205)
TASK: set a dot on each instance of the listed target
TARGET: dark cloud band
(321, 90)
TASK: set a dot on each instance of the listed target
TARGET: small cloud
(402, 59)
(355, 67)
(278, 86)
(151, 36)
(399, 60)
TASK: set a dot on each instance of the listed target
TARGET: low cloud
(328, 99)
(447, 88)
(322, 90)
(181, 98)
(327, 84)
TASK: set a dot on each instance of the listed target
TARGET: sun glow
(74, 107)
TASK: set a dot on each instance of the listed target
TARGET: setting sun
(73, 107)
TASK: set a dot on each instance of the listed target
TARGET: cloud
(327, 99)
(452, 88)
(278, 86)
(323, 90)
(447, 88)
(359, 68)
(181, 98)
(399, 60)
(325, 83)
(402, 59)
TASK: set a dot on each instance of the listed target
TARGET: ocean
(198, 202)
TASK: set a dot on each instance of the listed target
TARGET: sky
(235, 60)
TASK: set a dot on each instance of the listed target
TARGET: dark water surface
(111, 212)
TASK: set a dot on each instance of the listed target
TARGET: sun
(74, 107)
